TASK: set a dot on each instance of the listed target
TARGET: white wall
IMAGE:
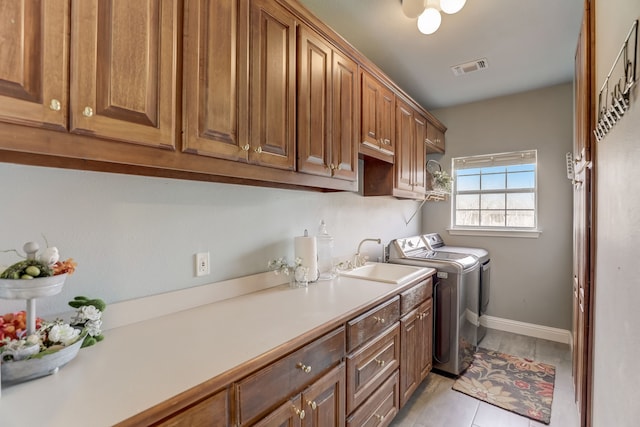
(617, 317)
(530, 278)
(135, 236)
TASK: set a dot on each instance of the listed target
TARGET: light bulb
(429, 21)
(452, 6)
(412, 8)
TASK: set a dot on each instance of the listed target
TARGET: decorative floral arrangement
(442, 181)
(300, 274)
(51, 336)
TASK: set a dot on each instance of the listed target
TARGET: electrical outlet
(202, 264)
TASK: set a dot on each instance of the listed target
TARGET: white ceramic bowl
(31, 288)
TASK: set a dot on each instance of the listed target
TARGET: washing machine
(456, 300)
(434, 242)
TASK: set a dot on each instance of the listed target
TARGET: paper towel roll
(306, 248)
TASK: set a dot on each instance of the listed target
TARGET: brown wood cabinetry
(411, 128)
(272, 85)
(34, 61)
(377, 135)
(327, 108)
(267, 388)
(212, 105)
(213, 411)
(434, 139)
(416, 338)
(123, 70)
(380, 409)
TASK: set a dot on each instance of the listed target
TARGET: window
(496, 191)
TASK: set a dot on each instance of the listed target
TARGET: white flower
(89, 312)
(93, 327)
(33, 339)
(63, 333)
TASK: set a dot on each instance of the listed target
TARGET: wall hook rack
(614, 98)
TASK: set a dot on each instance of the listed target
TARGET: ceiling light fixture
(428, 12)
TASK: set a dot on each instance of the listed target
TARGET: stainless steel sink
(387, 273)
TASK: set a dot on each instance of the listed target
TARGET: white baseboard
(528, 329)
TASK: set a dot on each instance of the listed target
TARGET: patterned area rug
(513, 383)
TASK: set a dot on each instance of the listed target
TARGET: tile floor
(436, 404)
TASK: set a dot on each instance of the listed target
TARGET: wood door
(123, 70)
(583, 220)
(344, 121)
(369, 117)
(404, 167)
(435, 139)
(324, 401)
(272, 80)
(34, 60)
(387, 118)
(410, 342)
(289, 414)
(211, 85)
(314, 103)
(420, 159)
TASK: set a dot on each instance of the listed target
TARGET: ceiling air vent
(470, 67)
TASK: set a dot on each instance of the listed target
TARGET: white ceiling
(529, 44)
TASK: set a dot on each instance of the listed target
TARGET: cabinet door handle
(386, 141)
(245, 147)
(258, 150)
(380, 418)
(55, 105)
(87, 112)
(312, 404)
(380, 363)
(378, 319)
(298, 412)
(304, 368)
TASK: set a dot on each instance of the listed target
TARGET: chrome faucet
(359, 260)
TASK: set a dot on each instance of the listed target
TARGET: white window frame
(489, 160)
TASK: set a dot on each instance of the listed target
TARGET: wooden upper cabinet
(405, 147)
(327, 109)
(272, 84)
(123, 70)
(378, 117)
(434, 139)
(211, 69)
(34, 58)
(420, 153)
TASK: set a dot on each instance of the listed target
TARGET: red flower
(523, 385)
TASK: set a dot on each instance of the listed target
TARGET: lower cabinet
(213, 411)
(416, 348)
(380, 409)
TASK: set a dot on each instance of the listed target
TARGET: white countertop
(143, 364)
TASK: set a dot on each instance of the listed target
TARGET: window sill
(530, 234)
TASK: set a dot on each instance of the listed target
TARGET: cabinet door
(34, 59)
(211, 107)
(314, 103)
(323, 401)
(272, 80)
(405, 147)
(387, 118)
(369, 117)
(410, 341)
(435, 139)
(344, 123)
(289, 414)
(425, 316)
(123, 70)
(420, 160)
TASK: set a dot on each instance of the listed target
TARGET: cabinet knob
(380, 418)
(298, 412)
(386, 141)
(55, 105)
(258, 150)
(304, 368)
(378, 319)
(87, 112)
(245, 147)
(312, 404)
(380, 363)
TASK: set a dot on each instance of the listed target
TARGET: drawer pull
(379, 362)
(87, 112)
(245, 147)
(378, 319)
(258, 150)
(380, 418)
(306, 369)
(298, 412)
(55, 105)
(312, 404)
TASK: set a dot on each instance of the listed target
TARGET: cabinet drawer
(270, 386)
(380, 408)
(368, 325)
(413, 297)
(213, 411)
(371, 365)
